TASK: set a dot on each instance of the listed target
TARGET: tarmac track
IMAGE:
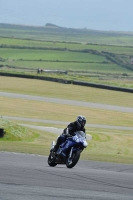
(70, 102)
(28, 177)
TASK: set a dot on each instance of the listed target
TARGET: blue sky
(91, 14)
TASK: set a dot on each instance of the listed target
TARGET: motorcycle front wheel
(51, 161)
(74, 159)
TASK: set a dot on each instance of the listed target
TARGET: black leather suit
(67, 132)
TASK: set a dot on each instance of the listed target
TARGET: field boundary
(88, 84)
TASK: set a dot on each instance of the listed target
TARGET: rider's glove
(67, 135)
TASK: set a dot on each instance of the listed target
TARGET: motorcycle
(68, 152)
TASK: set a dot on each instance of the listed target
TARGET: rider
(77, 125)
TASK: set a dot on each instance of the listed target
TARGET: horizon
(102, 15)
(37, 26)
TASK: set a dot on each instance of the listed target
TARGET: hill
(56, 33)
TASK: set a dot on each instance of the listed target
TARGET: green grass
(14, 132)
(111, 148)
(102, 147)
(26, 140)
(25, 54)
(90, 67)
(118, 81)
(32, 43)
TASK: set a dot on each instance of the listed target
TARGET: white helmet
(81, 121)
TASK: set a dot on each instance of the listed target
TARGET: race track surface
(64, 123)
(69, 102)
(28, 177)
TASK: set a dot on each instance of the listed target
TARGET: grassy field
(106, 144)
(110, 67)
(25, 140)
(98, 63)
(126, 50)
(16, 54)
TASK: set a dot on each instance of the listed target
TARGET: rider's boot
(64, 156)
(55, 148)
(57, 145)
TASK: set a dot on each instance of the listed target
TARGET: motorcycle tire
(51, 161)
(74, 160)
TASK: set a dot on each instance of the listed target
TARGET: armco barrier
(107, 87)
(37, 77)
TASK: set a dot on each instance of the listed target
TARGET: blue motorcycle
(68, 152)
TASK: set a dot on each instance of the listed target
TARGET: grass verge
(103, 147)
(61, 112)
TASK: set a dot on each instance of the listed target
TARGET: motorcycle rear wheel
(75, 157)
(51, 161)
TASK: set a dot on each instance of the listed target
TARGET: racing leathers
(68, 132)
